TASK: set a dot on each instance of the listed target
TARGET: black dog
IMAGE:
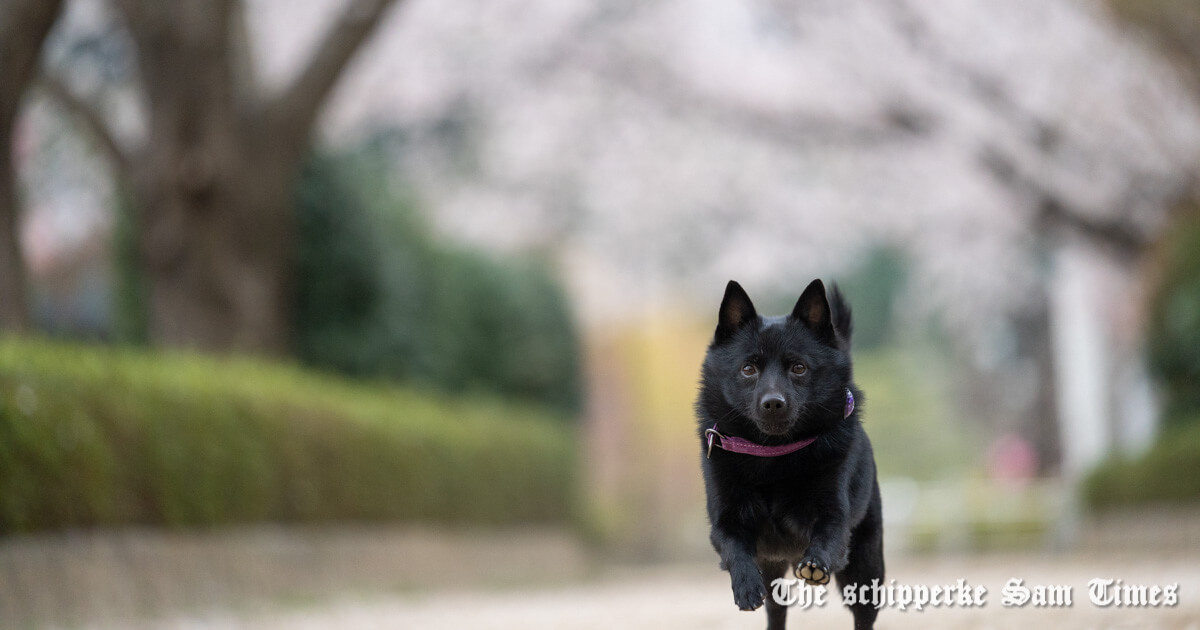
(788, 469)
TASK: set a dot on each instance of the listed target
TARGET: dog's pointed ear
(736, 311)
(812, 310)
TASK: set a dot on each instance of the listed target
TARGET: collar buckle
(712, 434)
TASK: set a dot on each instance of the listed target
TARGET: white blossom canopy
(678, 143)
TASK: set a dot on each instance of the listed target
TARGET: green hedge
(1164, 474)
(100, 436)
(379, 295)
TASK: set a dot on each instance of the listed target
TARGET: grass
(93, 435)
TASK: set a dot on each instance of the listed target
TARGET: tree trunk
(217, 250)
(211, 189)
(213, 183)
(23, 27)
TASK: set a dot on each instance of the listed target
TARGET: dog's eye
(749, 369)
(799, 368)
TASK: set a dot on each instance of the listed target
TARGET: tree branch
(294, 111)
(55, 89)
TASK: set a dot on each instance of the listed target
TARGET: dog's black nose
(773, 403)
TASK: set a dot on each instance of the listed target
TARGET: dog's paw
(813, 572)
(749, 592)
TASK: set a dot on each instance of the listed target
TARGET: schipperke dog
(788, 469)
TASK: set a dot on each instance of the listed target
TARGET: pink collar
(746, 447)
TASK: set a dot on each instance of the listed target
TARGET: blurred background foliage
(102, 436)
(466, 371)
(1173, 342)
(378, 295)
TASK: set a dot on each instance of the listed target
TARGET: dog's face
(787, 375)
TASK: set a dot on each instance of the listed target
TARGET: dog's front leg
(737, 557)
(828, 549)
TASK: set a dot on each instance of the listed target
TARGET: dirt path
(697, 596)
